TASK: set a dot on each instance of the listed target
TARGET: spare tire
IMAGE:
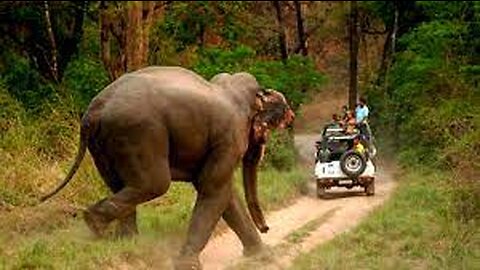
(352, 163)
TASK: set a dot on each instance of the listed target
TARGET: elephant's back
(157, 87)
(173, 95)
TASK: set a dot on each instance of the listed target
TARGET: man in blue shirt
(361, 116)
(361, 112)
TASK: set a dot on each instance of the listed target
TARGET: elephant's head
(273, 113)
(268, 110)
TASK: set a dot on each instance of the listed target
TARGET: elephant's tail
(78, 160)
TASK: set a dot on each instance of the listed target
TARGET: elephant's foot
(95, 222)
(262, 253)
(250, 251)
(187, 263)
(127, 226)
(126, 230)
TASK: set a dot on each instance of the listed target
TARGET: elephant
(161, 124)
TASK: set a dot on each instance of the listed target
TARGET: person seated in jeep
(358, 146)
(349, 124)
(335, 122)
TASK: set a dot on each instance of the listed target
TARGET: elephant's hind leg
(145, 175)
(126, 226)
(122, 205)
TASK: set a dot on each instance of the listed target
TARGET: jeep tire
(321, 190)
(352, 163)
(370, 188)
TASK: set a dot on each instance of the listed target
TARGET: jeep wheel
(353, 164)
(321, 190)
(372, 151)
(370, 188)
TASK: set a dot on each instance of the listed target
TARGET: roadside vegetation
(428, 107)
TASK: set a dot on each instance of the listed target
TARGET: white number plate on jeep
(344, 182)
(330, 169)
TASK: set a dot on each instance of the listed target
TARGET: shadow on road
(342, 194)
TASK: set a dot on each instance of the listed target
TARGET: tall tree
(53, 65)
(282, 37)
(300, 29)
(389, 45)
(353, 48)
(124, 34)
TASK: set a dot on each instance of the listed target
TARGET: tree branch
(282, 37)
(300, 29)
(308, 33)
(53, 45)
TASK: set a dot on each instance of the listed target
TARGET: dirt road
(308, 222)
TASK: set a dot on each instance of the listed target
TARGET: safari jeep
(337, 164)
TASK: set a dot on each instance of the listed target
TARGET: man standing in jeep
(361, 114)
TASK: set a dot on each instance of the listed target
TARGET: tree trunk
(131, 28)
(300, 29)
(385, 56)
(352, 93)
(134, 36)
(71, 44)
(105, 39)
(395, 28)
(388, 48)
(282, 37)
(53, 64)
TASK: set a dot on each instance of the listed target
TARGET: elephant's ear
(275, 109)
(259, 101)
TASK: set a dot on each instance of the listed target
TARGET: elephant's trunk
(250, 162)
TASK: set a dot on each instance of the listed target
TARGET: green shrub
(429, 102)
(10, 109)
(83, 79)
(24, 83)
(280, 151)
(296, 79)
(215, 60)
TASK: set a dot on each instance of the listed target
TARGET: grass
(52, 236)
(418, 228)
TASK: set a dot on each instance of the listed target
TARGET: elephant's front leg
(214, 189)
(236, 217)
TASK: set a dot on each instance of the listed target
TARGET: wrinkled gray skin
(163, 124)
